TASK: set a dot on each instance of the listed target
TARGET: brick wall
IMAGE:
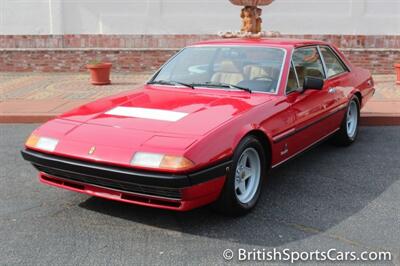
(378, 61)
(75, 60)
(174, 41)
(63, 53)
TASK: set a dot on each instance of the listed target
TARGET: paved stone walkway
(387, 97)
(37, 97)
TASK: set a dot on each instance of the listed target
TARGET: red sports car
(207, 126)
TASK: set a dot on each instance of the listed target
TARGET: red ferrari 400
(207, 126)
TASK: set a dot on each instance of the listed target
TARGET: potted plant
(397, 68)
(99, 72)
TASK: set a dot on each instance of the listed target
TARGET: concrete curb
(366, 120)
(380, 120)
(25, 119)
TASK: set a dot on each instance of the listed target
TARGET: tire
(242, 187)
(347, 133)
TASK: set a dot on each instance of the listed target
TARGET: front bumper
(167, 191)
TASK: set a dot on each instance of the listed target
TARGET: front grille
(173, 193)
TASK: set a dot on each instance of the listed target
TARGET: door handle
(332, 90)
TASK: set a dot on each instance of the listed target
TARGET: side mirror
(311, 83)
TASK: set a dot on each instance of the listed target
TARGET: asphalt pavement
(342, 198)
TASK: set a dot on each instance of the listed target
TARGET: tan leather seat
(228, 73)
(253, 71)
(303, 72)
(312, 72)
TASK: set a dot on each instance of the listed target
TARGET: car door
(311, 108)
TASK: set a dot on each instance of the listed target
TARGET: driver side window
(308, 63)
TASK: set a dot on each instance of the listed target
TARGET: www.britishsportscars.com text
(292, 256)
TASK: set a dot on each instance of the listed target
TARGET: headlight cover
(43, 143)
(161, 161)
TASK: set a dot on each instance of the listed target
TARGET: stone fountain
(251, 20)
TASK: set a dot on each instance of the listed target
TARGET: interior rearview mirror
(312, 83)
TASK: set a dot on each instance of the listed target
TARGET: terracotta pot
(397, 68)
(100, 73)
(251, 2)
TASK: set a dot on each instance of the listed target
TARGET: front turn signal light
(32, 141)
(161, 161)
(175, 162)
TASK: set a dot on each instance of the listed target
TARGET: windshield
(250, 68)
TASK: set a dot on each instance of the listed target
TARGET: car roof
(263, 41)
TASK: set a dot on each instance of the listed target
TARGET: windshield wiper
(223, 85)
(206, 84)
(171, 82)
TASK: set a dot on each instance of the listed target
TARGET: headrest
(313, 72)
(254, 69)
(228, 67)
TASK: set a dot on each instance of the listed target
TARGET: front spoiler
(124, 180)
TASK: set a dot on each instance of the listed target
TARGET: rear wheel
(348, 131)
(244, 181)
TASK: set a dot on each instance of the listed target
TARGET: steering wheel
(271, 82)
(263, 78)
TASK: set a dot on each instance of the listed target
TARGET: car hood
(151, 119)
(167, 110)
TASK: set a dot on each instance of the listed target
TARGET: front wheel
(348, 131)
(244, 181)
